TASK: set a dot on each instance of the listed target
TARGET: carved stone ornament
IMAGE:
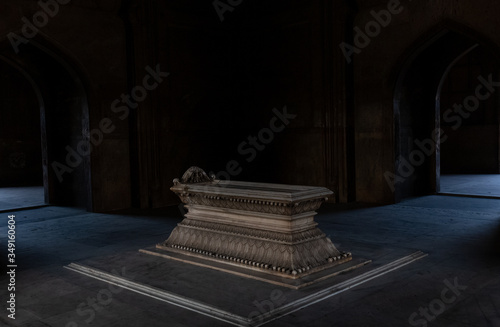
(194, 175)
(260, 226)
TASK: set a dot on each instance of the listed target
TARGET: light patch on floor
(14, 198)
(484, 185)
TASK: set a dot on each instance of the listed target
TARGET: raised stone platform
(267, 228)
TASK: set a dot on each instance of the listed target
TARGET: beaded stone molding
(260, 226)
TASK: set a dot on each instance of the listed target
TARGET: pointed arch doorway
(62, 102)
(422, 96)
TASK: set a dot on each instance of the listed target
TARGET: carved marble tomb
(259, 226)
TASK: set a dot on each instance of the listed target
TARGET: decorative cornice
(273, 207)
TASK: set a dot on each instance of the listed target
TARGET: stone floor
(12, 198)
(461, 236)
(479, 185)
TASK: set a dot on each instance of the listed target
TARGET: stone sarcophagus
(265, 227)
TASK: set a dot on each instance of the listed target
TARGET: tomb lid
(252, 191)
(196, 181)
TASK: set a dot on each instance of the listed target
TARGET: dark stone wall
(227, 81)
(213, 85)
